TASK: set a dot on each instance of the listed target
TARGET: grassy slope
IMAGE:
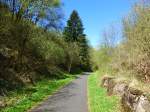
(98, 99)
(26, 98)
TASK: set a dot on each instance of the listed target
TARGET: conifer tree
(74, 28)
(74, 32)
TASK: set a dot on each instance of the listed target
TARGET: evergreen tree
(74, 32)
(84, 52)
(74, 28)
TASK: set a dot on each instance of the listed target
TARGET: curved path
(71, 98)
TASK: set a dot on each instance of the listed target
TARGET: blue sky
(97, 15)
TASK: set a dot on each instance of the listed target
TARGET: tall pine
(74, 32)
(74, 28)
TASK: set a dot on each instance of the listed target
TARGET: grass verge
(98, 99)
(22, 100)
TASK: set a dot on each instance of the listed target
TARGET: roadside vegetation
(125, 57)
(25, 98)
(99, 101)
(36, 51)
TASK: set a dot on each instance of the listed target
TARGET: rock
(135, 91)
(128, 100)
(132, 99)
(2, 104)
(108, 83)
(8, 53)
(113, 86)
(119, 88)
(105, 81)
(143, 105)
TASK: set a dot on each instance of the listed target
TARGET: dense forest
(34, 44)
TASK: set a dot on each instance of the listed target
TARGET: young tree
(73, 57)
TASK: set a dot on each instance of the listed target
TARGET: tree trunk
(70, 66)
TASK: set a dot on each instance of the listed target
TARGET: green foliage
(84, 53)
(36, 11)
(72, 58)
(100, 57)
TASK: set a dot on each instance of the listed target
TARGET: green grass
(22, 100)
(98, 99)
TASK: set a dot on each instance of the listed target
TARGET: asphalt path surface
(71, 98)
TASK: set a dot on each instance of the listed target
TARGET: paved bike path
(71, 98)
